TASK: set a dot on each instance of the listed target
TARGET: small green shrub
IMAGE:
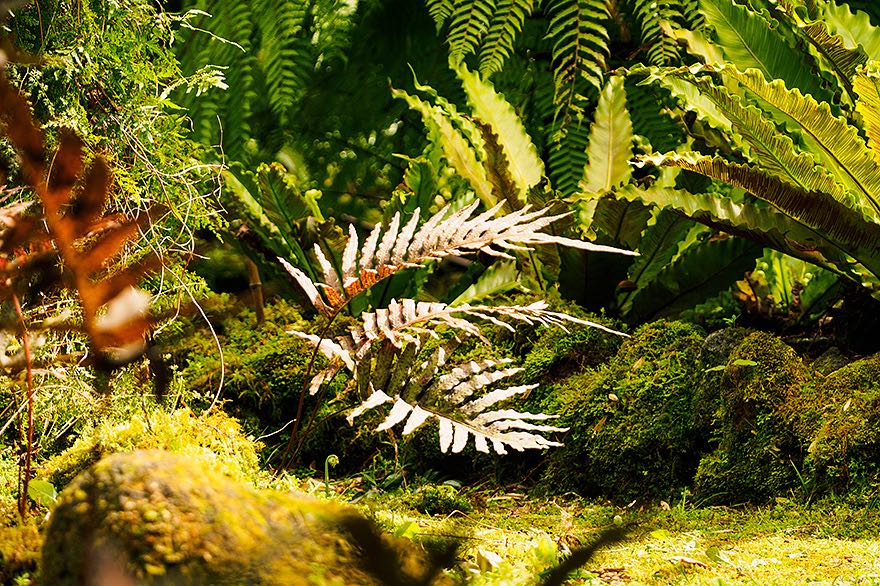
(439, 499)
(630, 422)
(765, 416)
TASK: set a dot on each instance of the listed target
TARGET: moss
(557, 353)
(439, 499)
(845, 452)
(165, 520)
(630, 422)
(20, 546)
(766, 414)
(215, 439)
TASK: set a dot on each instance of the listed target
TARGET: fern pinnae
(443, 235)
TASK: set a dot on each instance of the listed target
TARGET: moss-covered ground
(512, 538)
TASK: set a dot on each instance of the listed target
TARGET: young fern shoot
(387, 353)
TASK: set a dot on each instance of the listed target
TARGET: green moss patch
(631, 422)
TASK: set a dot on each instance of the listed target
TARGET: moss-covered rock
(631, 421)
(845, 452)
(214, 438)
(165, 520)
(766, 415)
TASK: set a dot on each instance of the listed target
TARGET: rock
(630, 422)
(160, 520)
(765, 420)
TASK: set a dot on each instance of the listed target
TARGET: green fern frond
(468, 24)
(567, 155)
(285, 53)
(440, 10)
(649, 110)
(579, 37)
(662, 49)
(658, 246)
(507, 23)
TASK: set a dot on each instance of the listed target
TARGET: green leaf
(703, 270)
(507, 22)
(832, 139)
(577, 29)
(847, 229)
(611, 137)
(855, 28)
(744, 362)
(42, 492)
(657, 248)
(750, 41)
(867, 86)
(500, 277)
(526, 167)
(457, 149)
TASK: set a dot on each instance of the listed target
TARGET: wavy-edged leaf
(611, 137)
(839, 224)
(749, 41)
(855, 27)
(831, 51)
(831, 138)
(867, 86)
(500, 277)
(756, 136)
(457, 149)
(526, 167)
(765, 225)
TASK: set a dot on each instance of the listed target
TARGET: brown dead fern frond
(73, 230)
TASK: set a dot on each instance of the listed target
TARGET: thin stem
(26, 475)
(287, 456)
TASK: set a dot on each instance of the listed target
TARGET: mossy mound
(266, 371)
(557, 353)
(215, 439)
(630, 422)
(845, 452)
(765, 417)
(19, 552)
(162, 519)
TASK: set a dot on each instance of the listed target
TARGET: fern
(468, 24)
(458, 401)
(662, 49)
(579, 38)
(383, 350)
(507, 23)
(388, 250)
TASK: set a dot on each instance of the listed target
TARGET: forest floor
(513, 539)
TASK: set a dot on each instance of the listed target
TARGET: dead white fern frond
(402, 320)
(460, 401)
(388, 250)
